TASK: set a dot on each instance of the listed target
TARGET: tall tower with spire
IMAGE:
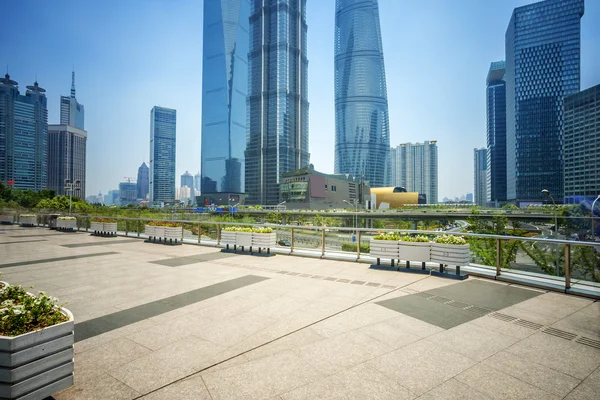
(71, 112)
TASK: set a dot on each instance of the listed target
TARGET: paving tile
(233, 330)
(102, 387)
(556, 305)
(110, 355)
(413, 325)
(536, 375)
(160, 335)
(354, 318)
(453, 389)
(392, 336)
(260, 379)
(188, 389)
(581, 323)
(293, 341)
(562, 355)
(588, 389)
(421, 366)
(498, 385)
(503, 327)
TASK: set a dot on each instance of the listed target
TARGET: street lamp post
(69, 187)
(355, 217)
(592, 210)
(280, 204)
(546, 192)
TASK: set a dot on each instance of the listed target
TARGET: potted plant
(385, 245)
(164, 230)
(28, 220)
(414, 248)
(263, 238)
(104, 226)
(450, 250)
(7, 219)
(243, 235)
(36, 344)
(66, 224)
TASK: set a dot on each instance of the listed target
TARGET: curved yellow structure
(395, 196)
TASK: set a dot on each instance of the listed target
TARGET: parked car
(284, 242)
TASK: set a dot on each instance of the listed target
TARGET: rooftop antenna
(73, 82)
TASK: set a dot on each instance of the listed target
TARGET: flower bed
(450, 250)
(164, 232)
(36, 344)
(247, 237)
(66, 224)
(28, 220)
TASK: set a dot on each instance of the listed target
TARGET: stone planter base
(251, 251)
(104, 229)
(448, 254)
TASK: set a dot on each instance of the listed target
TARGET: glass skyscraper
(224, 90)
(542, 67)
(480, 167)
(23, 136)
(362, 137)
(143, 181)
(496, 133)
(162, 154)
(278, 96)
(71, 112)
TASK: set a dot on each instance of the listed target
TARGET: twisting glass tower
(362, 137)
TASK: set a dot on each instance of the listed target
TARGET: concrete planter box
(104, 228)
(96, 226)
(28, 221)
(450, 254)
(109, 227)
(175, 233)
(66, 224)
(159, 231)
(415, 251)
(37, 364)
(243, 239)
(266, 240)
(387, 249)
(7, 219)
(228, 237)
(150, 231)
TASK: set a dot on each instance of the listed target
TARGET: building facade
(480, 168)
(71, 112)
(143, 181)
(67, 147)
(163, 123)
(187, 180)
(127, 193)
(278, 96)
(362, 137)
(224, 90)
(582, 146)
(542, 67)
(23, 136)
(496, 134)
(415, 168)
(197, 183)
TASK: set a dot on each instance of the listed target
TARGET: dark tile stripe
(24, 241)
(47, 260)
(90, 328)
(179, 261)
(39, 235)
(100, 243)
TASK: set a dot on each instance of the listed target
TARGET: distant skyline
(146, 53)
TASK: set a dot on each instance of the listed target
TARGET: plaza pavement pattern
(189, 322)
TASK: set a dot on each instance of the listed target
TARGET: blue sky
(131, 55)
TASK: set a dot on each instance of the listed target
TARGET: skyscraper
(582, 146)
(162, 154)
(542, 67)
(23, 136)
(480, 175)
(71, 112)
(496, 133)
(415, 168)
(197, 182)
(362, 137)
(224, 91)
(143, 181)
(187, 180)
(278, 98)
(67, 146)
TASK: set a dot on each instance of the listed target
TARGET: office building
(67, 147)
(415, 168)
(362, 137)
(143, 181)
(162, 155)
(496, 134)
(582, 146)
(542, 67)
(127, 193)
(23, 136)
(480, 176)
(306, 188)
(197, 183)
(469, 197)
(71, 112)
(187, 180)
(278, 97)
(224, 91)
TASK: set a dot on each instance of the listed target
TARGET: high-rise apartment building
(224, 91)
(197, 183)
(362, 137)
(162, 154)
(496, 134)
(480, 157)
(143, 181)
(71, 112)
(415, 168)
(67, 146)
(542, 67)
(582, 145)
(278, 97)
(23, 136)
(127, 193)
(187, 180)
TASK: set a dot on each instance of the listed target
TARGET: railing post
(139, 228)
(498, 256)
(323, 242)
(567, 266)
(126, 227)
(182, 228)
(199, 231)
(292, 241)
(218, 234)
(357, 245)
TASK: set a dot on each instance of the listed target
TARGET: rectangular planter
(66, 224)
(7, 219)
(96, 226)
(228, 237)
(109, 227)
(37, 364)
(149, 230)
(415, 251)
(387, 249)
(266, 240)
(159, 232)
(28, 221)
(450, 254)
(174, 233)
(243, 239)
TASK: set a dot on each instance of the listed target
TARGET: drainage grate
(478, 310)
(458, 304)
(374, 284)
(306, 275)
(330, 278)
(358, 282)
(388, 287)
(343, 280)
(559, 333)
(589, 342)
(317, 277)
(528, 324)
(503, 317)
(293, 273)
(439, 299)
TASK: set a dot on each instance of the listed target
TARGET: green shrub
(450, 239)
(387, 236)
(247, 229)
(364, 247)
(67, 218)
(417, 238)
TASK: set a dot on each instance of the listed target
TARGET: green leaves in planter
(67, 218)
(450, 239)
(417, 238)
(387, 236)
(247, 229)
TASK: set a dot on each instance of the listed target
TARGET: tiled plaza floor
(189, 322)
